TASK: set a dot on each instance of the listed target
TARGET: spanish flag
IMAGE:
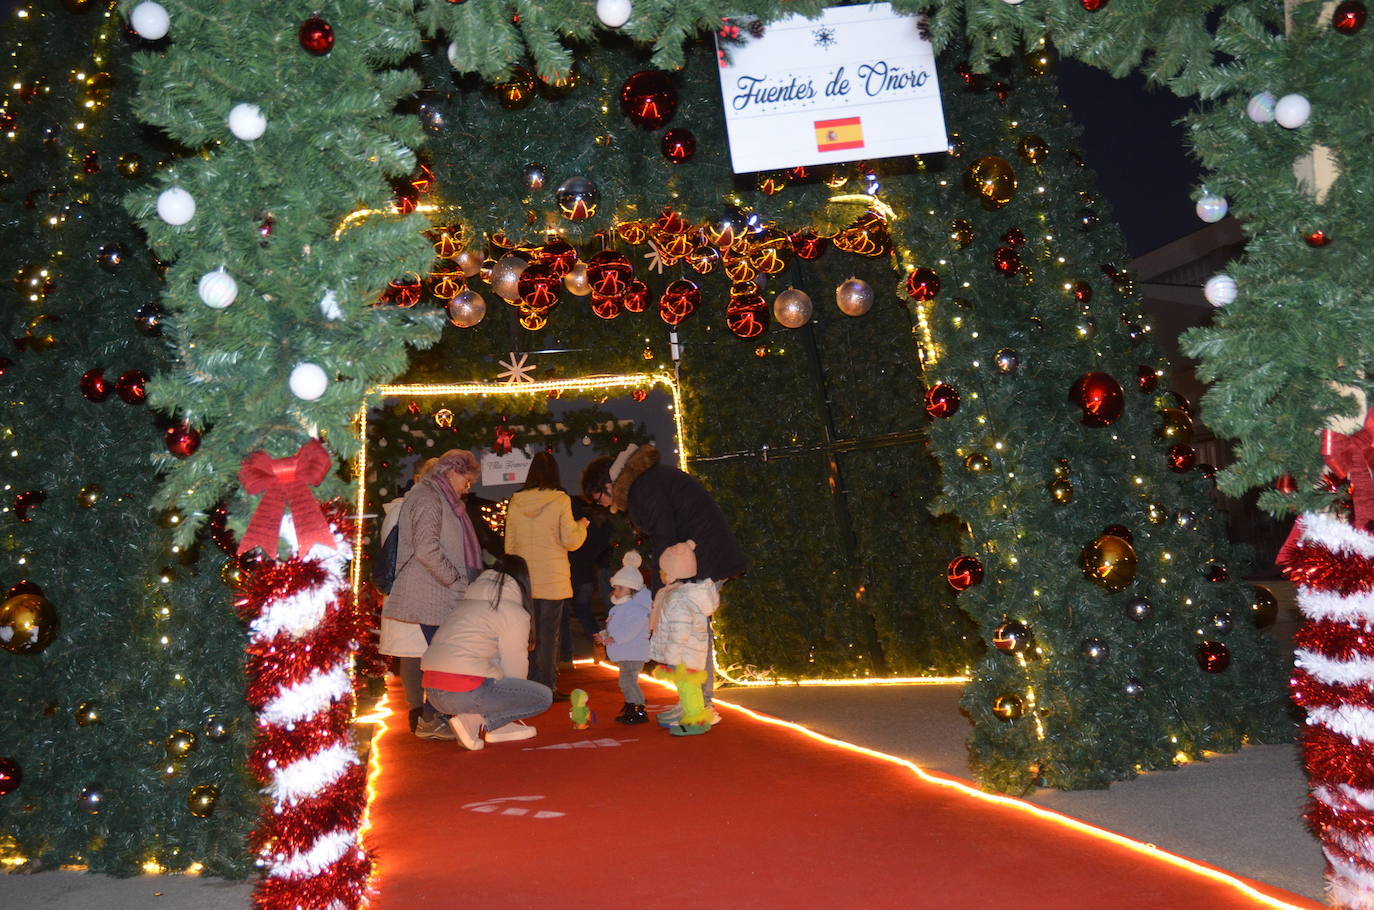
(837, 135)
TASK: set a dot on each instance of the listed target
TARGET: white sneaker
(510, 732)
(715, 716)
(468, 729)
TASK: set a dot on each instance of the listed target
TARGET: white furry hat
(629, 576)
(619, 464)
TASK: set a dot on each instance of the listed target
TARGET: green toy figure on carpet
(581, 713)
(696, 719)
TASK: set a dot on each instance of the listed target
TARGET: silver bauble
(469, 262)
(505, 277)
(576, 280)
(466, 309)
(854, 297)
(1094, 650)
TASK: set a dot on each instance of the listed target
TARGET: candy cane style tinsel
(303, 637)
(1333, 567)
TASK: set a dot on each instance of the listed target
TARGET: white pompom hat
(629, 576)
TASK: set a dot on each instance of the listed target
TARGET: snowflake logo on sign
(824, 38)
(502, 806)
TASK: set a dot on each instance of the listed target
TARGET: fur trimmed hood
(643, 458)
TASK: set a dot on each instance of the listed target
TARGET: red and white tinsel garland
(303, 639)
(1332, 565)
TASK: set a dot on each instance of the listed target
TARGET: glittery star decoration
(517, 369)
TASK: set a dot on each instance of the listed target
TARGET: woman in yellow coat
(540, 528)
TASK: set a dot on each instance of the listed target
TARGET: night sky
(1131, 140)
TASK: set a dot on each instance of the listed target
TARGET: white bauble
(308, 381)
(613, 13)
(505, 277)
(1220, 290)
(854, 297)
(1261, 108)
(1292, 111)
(150, 20)
(792, 308)
(453, 55)
(175, 206)
(329, 307)
(217, 289)
(246, 122)
(467, 309)
(1212, 208)
(1013, 2)
(576, 280)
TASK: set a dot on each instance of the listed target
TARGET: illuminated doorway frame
(590, 383)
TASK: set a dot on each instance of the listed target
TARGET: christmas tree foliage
(123, 731)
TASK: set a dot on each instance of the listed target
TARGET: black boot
(637, 715)
(414, 717)
(626, 714)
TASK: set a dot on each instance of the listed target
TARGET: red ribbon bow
(1353, 457)
(504, 437)
(285, 483)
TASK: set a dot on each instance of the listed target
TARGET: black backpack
(384, 565)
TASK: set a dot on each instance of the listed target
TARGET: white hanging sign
(857, 83)
(513, 467)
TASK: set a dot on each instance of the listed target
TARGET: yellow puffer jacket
(540, 527)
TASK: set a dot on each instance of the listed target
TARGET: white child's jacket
(682, 635)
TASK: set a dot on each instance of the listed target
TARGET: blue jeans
(548, 616)
(582, 607)
(499, 701)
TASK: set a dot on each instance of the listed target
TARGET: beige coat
(540, 527)
(431, 570)
(479, 640)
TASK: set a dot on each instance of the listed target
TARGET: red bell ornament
(636, 297)
(610, 273)
(808, 244)
(1100, 397)
(680, 299)
(316, 36)
(942, 400)
(648, 99)
(538, 288)
(559, 256)
(963, 572)
(747, 315)
(606, 307)
(922, 284)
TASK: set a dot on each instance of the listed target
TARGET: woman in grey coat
(437, 555)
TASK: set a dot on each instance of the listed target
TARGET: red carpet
(750, 815)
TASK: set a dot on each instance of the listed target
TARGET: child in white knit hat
(627, 634)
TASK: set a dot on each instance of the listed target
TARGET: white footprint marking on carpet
(603, 743)
(499, 806)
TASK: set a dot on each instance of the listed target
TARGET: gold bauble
(1008, 707)
(1264, 607)
(231, 573)
(89, 495)
(978, 463)
(1156, 513)
(201, 800)
(181, 743)
(1108, 562)
(28, 624)
(960, 233)
(517, 91)
(1061, 469)
(992, 181)
(576, 280)
(1033, 149)
(1175, 427)
(129, 165)
(1061, 491)
(86, 714)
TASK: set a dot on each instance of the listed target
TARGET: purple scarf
(472, 550)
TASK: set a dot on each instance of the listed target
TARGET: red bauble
(607, 307)
(1348, 17)
(636, 297)
(316, 36)
(1014, 237)
(1317, 239)
(1213, 656)
(808, 244)
(1216, 571)
(1093, 6)
(1006, 260)
(942, 400)
(182, 440)
(224, 538)
(94, 385)
(1082, 291)
(1181, 458)
(10, 776)
(609, 273)
(678, 145)
(670, 221)
(922, 284)
(538, 289)
(1286, 484)
(559, 257)
(130, 386)
(27, 501)
(5, 364)
(747, 315)
(679, 300)
(964, 572)
(1148, 378)
(649, 99)
(1100, 397)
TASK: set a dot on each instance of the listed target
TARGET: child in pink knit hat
(681, 638)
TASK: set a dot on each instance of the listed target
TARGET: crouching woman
(475, 666)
